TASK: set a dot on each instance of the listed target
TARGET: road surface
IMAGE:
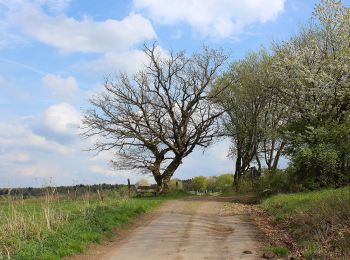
(185, 229)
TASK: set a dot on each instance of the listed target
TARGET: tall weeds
(35, 218)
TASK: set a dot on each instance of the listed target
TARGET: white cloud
(69, 34)
(66, 89)
(18, 157)
(29, 158)
(130, 62)
(113, 62)
(42, 170)
(213, 18)
(87, 35)
(62, 118)
(18, 136)
(213, 161)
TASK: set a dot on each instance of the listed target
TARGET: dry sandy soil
(183, 229)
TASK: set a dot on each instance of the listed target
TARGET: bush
(270, 182)
(321, 158)
(319, 220)
(224, 182)
(274, 180)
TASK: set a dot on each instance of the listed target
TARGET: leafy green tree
(199, 183)
(176, 185)
(211, 183)
(224, 182)
(314, 66)
(254, 114)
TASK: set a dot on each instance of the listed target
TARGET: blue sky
(54, 55)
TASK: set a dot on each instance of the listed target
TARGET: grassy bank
(319, 220)
(42, 229)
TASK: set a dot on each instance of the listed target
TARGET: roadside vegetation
(49, 228)
(318, 220)
(292, 100)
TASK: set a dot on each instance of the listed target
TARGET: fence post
(129, 188)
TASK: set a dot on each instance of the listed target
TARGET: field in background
(51, 227)
(318, 220)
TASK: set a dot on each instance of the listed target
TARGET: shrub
(320, 157)
(271, 181)
(274, 180)
(319, 220)
(224, 182)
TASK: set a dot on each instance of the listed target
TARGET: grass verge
(37, 231)
(318, 220)
(279, 251)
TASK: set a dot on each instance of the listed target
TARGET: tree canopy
(294, 100)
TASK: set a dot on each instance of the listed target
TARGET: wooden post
(177, 185)
(129, 188)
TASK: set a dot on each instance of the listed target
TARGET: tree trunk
(278, 155)
(163, 185)
(258, 160)
(164, 179)
(238, 172)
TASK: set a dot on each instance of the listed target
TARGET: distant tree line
(222, 183)
(74, 191)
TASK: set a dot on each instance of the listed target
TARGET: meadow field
(53, 227)
(49, 228)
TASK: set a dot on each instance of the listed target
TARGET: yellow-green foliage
(224, 182)
(199, 183)
(173, 186)
(211, 184)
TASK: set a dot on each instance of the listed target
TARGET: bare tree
(151, 121)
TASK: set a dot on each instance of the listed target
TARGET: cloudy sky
(54, 55)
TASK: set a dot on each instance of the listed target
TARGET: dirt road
(186, 230)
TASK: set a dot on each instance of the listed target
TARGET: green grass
(277, 250)
(25, 234)
(319, 220)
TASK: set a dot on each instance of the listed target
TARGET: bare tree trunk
(278, 155)
(163, 185)
(238, 171)
(129, 188)
(258, 160)
(164, 179)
